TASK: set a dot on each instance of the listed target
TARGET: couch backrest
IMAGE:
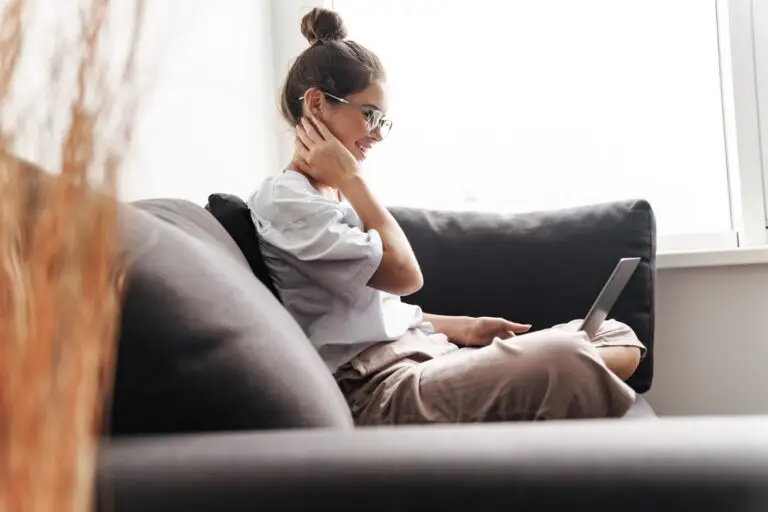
(543, 268)
(204, 345)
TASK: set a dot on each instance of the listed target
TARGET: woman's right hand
(328, 161)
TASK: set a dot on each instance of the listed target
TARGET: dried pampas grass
(59, 264)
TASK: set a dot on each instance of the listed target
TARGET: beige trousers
(550, 374)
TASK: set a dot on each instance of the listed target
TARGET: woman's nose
(376, 134)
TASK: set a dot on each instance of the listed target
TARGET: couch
(221, 404)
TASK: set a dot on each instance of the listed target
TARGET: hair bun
(322, 25)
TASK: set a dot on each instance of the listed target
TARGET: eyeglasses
(374, 118)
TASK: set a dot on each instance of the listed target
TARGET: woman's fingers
(301, 148)
(321, 128)
(515, 327)
(310, 130)
(302, 136)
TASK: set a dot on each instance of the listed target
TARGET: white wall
(711, 341)
(208, 78)
(208, 101)
(211, 121)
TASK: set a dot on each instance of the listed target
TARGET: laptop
(609, 295)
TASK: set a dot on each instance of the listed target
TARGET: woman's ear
(314, 101)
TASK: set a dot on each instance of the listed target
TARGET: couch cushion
(203, 344)
(234, 215)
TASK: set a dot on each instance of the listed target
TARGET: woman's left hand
(481, 331)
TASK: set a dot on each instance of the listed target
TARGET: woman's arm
(454, 327)
(399, 272)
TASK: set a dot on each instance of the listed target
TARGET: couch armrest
(541, 268)
(690, 464)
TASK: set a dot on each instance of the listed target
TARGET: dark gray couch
(221, 404)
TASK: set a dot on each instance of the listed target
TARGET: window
(522, 105)
(760, 24)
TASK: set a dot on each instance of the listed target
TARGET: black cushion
(234, 215)
(542, 268)
(203, 344)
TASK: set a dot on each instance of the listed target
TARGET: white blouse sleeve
(324, 245)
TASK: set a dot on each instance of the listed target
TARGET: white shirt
(321, 260)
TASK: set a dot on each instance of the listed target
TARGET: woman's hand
(474, 332)
(328, 161)
(481, 331)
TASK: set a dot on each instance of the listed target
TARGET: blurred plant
(66, 68)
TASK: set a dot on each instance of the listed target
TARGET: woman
(342, 265)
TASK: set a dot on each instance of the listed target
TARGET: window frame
(759, 18)
(741, 117)
(745, 147)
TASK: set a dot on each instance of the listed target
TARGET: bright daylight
(383, 255)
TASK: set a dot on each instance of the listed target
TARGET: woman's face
(348, 122)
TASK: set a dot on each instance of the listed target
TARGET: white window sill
(712, 258)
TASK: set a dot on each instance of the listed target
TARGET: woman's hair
(331, 63)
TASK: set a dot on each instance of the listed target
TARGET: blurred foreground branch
(71, 108)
